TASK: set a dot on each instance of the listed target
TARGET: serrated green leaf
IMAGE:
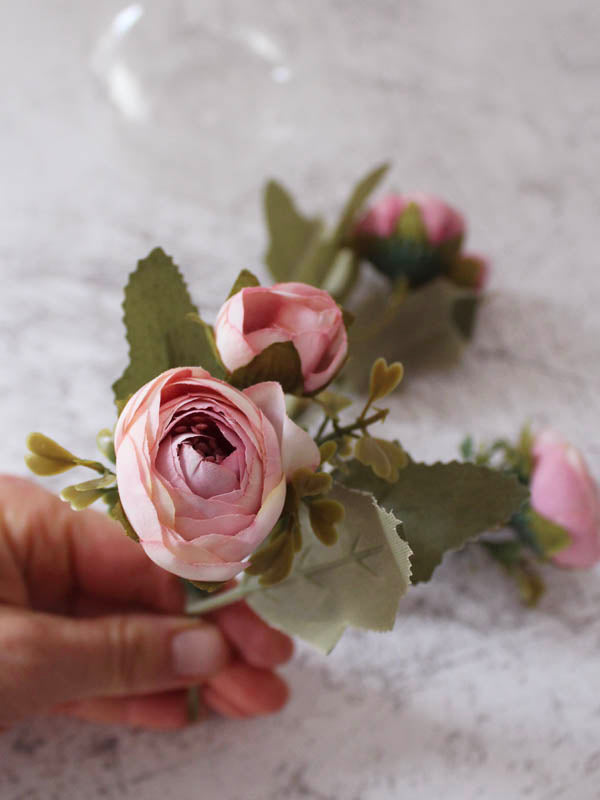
(442, 506)
(117, 512)
(279, 362)
(293, 237)
(243, 281)
(357, 581)
(160, 331)
(418, 329)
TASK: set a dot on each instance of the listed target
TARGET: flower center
(205, 437)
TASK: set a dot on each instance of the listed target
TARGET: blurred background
(123, 127)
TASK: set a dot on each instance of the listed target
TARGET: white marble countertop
(492, 105)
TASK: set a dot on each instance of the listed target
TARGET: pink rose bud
(563, 491)
(442, 222)
(259, 316)
(202, 468)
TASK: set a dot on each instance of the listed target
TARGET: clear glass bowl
(214, 96)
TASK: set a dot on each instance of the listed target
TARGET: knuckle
(124, 652)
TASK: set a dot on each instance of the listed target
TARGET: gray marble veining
(492, 105)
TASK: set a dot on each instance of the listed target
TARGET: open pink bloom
(259, 316)
(202, 468)
(441, 221)
(563, 491)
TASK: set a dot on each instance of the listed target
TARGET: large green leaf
(293, 237)
(357, 581)
(160, 329)
(299, 249)
(428, 324)
(359, 196)
(441, 506)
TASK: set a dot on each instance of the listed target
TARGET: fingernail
(198, 652)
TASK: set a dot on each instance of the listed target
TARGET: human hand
(89, 626)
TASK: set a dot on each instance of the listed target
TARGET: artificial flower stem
(322, 427)
(224, 598)
(359, 424)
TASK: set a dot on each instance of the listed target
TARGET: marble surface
(493, 105)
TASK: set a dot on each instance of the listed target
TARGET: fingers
(49, 659)
(240, 690)
(161, 712)
(64, 553)
(258, 643)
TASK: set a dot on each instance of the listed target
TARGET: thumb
(49, 659)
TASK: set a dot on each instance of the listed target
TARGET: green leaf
(118, 514)
(325, 515)
(442, 506)
(279, 362)
(108, 481)
(384, 378)
(508, 552)
(369, 453)
(308, 483)
(293, 237)
(206, 586)
(327, 451)
(82, 495)
(358, 197)
(411, 226)
(204, 342)
(549, 537)
(357, 581)
(332, 403)
(426, 326)
(79, 499)
(47, 457)
(320, 264)
(467, 448)
(160, 331)
(243, 281)
(105, 440)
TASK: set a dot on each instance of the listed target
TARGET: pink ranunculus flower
(442, 222)
(259, 316)
(202, 469)
(563, 491)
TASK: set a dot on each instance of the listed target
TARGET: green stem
(224, 598)
(359, 424)
(322, 427)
